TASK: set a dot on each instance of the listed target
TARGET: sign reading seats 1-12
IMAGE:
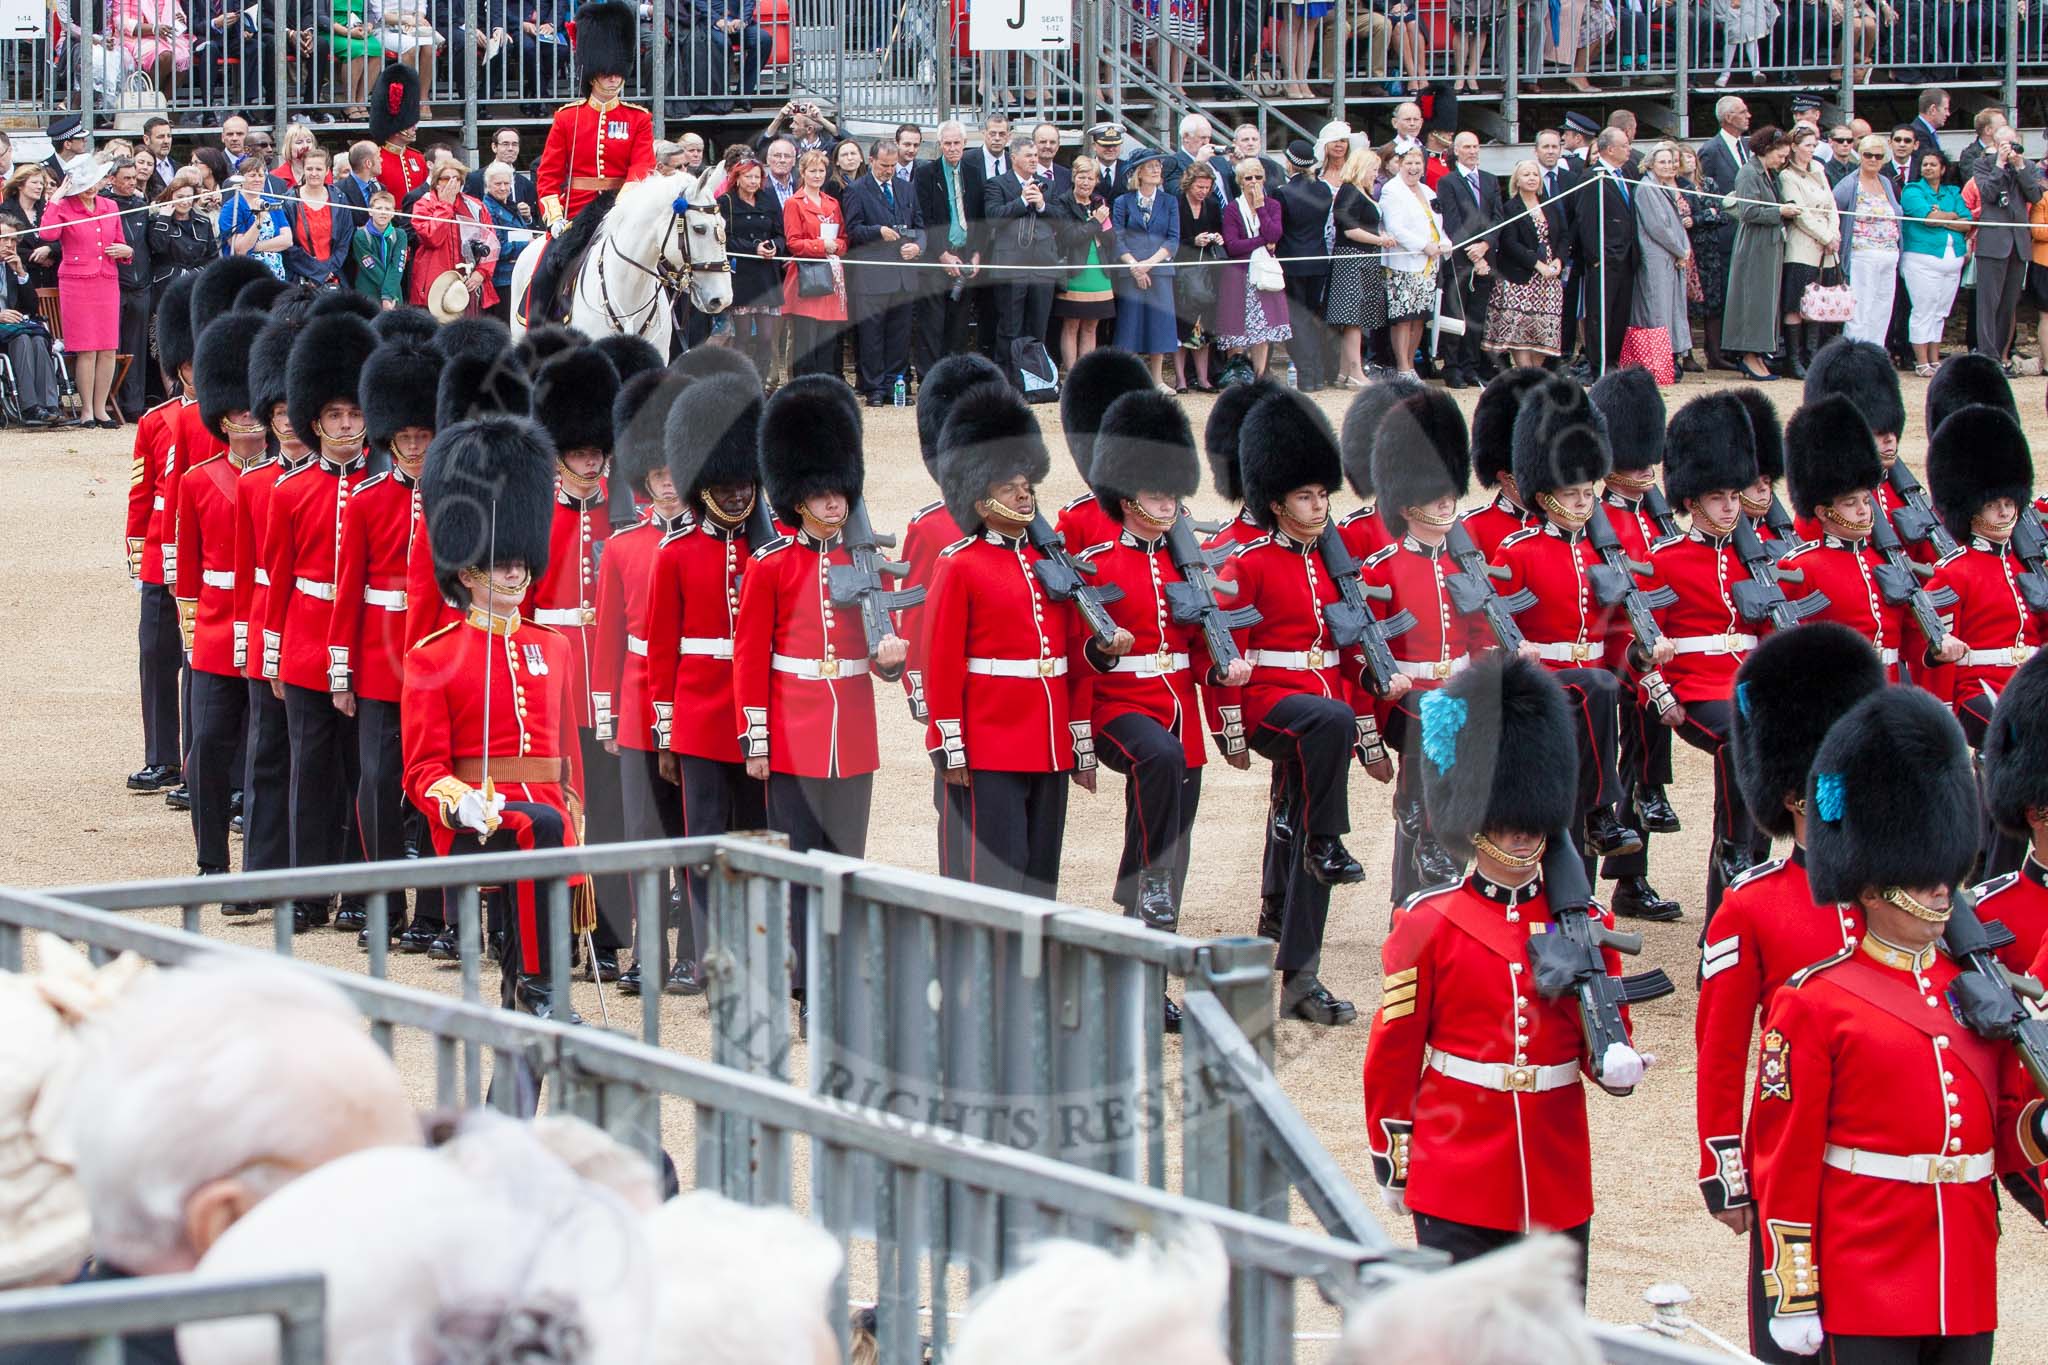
(1019, 25)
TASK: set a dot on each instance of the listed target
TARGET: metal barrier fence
(100, 1314)
(925, 1172)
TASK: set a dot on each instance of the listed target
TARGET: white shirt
(1736, 146)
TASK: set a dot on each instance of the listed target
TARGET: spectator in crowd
(1713, 232)
(1933, 107)
(1411, 218)
(453, 232)
(26, 340)
(1842, 159)
(1250, 319)
(1201, 239)
(1057, 178)
(1014, 204)
(505, 152)
(1744, 26)
(1525, 317)
(1988, 121)
(357, 53)
(692, 146)
(806, 127)
(909, 140)
(1147, 223)
(68, 142)
(124, 193)
(378, 252)
(1692, 206)
(156, 145)
(1469, 200)
(740, 1286)
(885, 235)
(1114, 173)
(299, 143)
(181, 232)
(1356, 303)
(1607, 249)
(406, 29)
(27, 196)
(1901, 167)
(778, 160)
(1813, 246)
(1306, 205)
(1932, 257)
(978, 167)
(1871, 239)
(321, 227)
(1666, 252)
(2006, 187)
(1081, 1305)
(234, 139)
(738, 25)
(219, 176)
(514, 232)
(251, 224)
(1197, 145)
(1756, 266)
(814, 229)
(753, 237)
(950, 212)
(91, 247)
(1515, 1306)
(1086, 298)
(259, 144)
(359, 181)
(6, 158)
(848, 165)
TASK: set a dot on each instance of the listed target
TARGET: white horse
(644, 252)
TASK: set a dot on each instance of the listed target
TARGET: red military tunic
(695, 607)
(148, 471)
(1442, 643)
(303, 545)
(591, 147)
(1000, 683)
(1712, 638)
(1989, 616)
(1847, 572)
(1459, 994)
(1490, 525)
(1633, 525)
(426, 611)
(1566, 622)
(1365, 533)
(366, 640)
(206, 547)
(1809, 527)
(931, 530)
(621, 652)
(566, 596)
(1239, 530)
(1157, 678)
(252, 572)
(1290, 650)
(803, 697)
(1082, 523)
(403, 169)
(1767, 927)
(191, 442)
(1863, 1057)
(2019, 901)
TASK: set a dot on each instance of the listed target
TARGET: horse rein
(669, 280)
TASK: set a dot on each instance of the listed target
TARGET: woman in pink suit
(88, 235)
(1248, 319)
(156, 36)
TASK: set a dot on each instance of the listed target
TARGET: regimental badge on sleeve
(1774, 1068)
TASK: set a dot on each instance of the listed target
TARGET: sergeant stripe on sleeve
(1719, 956)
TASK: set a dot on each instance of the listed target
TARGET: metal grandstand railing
(99, 1315)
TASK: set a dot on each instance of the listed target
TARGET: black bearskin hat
(1861, 372)
(327, 363)
(1498, 753)
(640, 426)
(478, 336)
(220, 376)
(1560, 440)
(269, 366)
(399, 389)
(1493, 422)
(1788, 695)
(344, 301)
(2016, 748)
(951, 377)
(713, 434)
(1361, 430)
(1285, 442)
(1708, 446)
(1829, 452)
(500, 463)
(990, 437)
(703, 362)
(1966, 378)
(1977, 456)
(543, 343)
(1098, 379)
(1144, 445)
(631, 355)
(1420, 454)
(174, 333)
(606, 39)
(1223, 436)
(1628, 401)
(476, 386)
(810, 444)
(408, 322)
(216, 285)
(1892, 799)
(394, 101)
(1765, 430)
(265, 293)
(572, 398)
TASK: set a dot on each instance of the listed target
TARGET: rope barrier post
(471, 145)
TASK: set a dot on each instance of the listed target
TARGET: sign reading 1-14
(1019, 25)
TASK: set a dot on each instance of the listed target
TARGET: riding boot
(1795, 351)
(1715, 360)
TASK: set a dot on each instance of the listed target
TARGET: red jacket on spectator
(438, 224)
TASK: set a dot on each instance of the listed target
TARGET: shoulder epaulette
(625, 531)
(926, 510)
(1094, 550)
(1467, 516)
(1954, 554)
(367, 484)
(1429, 891)
(1760, 870)
(627, 104)
(772, 546)
(1245, 545)
(166, 403)
(1798, 978)
(219, 455)
(528, 623)
(1801, 548)
(294, 473)
(1383, 552)
(1517, 537)
(1996, 885)
(435, 634)
(1085, 497)
(956, 547)
(1360, 515)
(1659, 544)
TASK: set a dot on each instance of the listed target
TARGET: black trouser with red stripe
(1309, 738)
(718, 798)
(383, 813)
(604, 822)
(648, 810)
(1999, 852)
(1645, 761)
(829, 813)
(220, 706)
(162, 654)
(1594, 696)
(522, 825)
(1403, 734)
(325, 775)
(1161, 793)
(266, 783)
(1012, 828)
(1708, 727)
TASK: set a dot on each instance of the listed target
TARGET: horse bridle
(668, 279)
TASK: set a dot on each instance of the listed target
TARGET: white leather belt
(1297, 659)
(157, 503)
(1502, 1076)
(223, 579)
(1569, 652)
(1436, 669)
(2011, 655)
(707, 646)
(636, 645)
(323, 591)
(1018, 668)
(1731, 643)
(1913, 1170)
(390, 599)
(818, 669)
(1888, 657)
(560, 616)
(1151, 665)
(263, 578)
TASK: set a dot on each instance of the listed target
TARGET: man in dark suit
(2007, 187)
(1304, 208)
(124, 190)
(1559, 176)
(1932, 118)
(1843, 161)
(883, 229)
(1058, 180)
(1578, 132)
(1898, 162)
(939, 325)
(1470, 202)
(1608, 250)
(355, 180)
(505, 148)
(1246, 142)
(1114, 171)
(156, 140)
(1014, 205)
(1720, 157)
(977, 168)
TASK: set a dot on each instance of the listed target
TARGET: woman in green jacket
(379, 253)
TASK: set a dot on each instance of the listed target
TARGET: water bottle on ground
(902, 394)
(1293, 375)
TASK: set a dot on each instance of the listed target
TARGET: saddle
(548, 294)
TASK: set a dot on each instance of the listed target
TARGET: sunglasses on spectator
(1903, 141)
(1873, 156)
(1847, 138)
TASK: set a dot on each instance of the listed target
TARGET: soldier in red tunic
(1097, 380)
(1880, 1119)
(1768, 926)
(1475, 1112)
(803, 696)
(489, 734)
(302, 545)
(394, 127)
(483, 382)
(713, 452)
(1861, 372)
(149, 516)
(366, 640)
(1365, 529)
(1493, 458)
(1768, 433)
(2015, 761)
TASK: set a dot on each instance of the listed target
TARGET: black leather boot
(1434, 865)
(1607, 837)
(684, 978)
(1170, 1015)
(604, 964)
(629, 980)
(1793, 351)
(537, 998)
(354, 914)
(1733, 858)
(1654, 812)
(1635, 898)
(1272, 909)
(1305, 997)
(154, 778)
(1329, 862)
(1155, 908)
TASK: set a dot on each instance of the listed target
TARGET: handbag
(1650, 347)
(1196, 288)
(1265, 272)
(814, 279)
(1820, 302)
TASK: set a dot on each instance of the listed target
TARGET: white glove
(473, 812)
(1799, 1334)
(1396, 1202)
(558, 227)
(1622, 1066)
